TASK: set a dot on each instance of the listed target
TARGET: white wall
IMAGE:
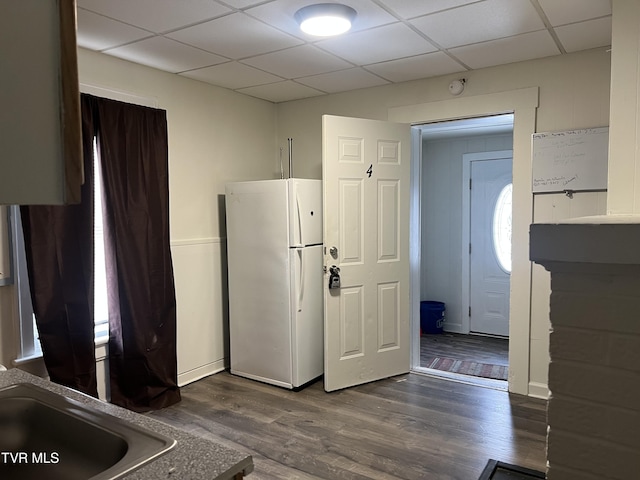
(442, 178)
(573, 93)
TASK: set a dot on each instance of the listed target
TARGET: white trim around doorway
(523, 104)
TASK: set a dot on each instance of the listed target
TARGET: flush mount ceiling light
(325, 19)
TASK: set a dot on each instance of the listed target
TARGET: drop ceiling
(255, 46)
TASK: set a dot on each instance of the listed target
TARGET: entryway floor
(474, 348)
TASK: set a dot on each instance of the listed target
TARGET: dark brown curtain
(59, 252)
(133, 149)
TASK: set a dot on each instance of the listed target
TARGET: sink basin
(46, 435)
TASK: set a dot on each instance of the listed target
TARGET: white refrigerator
(274, 254)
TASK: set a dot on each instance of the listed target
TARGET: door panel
(366, 174)
(388, 220)
(351, 322)
(490, 281)
(351, 240)
(388, 306)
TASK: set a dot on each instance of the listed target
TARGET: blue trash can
(431, 316)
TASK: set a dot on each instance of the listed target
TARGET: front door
(490, 249)
(366, 175)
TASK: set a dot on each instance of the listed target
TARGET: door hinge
(469, 248)
(470, 184)
(469, 311)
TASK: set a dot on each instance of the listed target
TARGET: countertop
(192, 458)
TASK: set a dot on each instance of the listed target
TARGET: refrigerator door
(307, 306)
(305, 212)
(259, 281)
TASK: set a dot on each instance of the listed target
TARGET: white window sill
(99, 341)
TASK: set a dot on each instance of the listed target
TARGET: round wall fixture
(325, 19)
(457, 86)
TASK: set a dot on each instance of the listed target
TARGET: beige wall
(573, 93)
(624, 134)
(215, 136)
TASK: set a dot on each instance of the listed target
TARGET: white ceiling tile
(281, 91)
(413, 8)
(240, 4)
(571, 11)
(96, 32)
(157, 15)
(507, 50)
(585, 35)
(165, 54)
(235, 36)
(378, 44)
(297, 62)
(232, 75)
(343, 80)
(281, 15)
(480, 22)
(413, 68)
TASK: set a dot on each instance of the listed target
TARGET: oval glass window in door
(502, 228)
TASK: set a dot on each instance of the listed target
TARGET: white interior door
(490, 249)
(366, 175)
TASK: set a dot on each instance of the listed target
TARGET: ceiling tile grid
(255, 46)
(157, 15)
(232, 75)
(166, 54)
(342, 81)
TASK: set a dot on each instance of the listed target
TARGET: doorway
(455, 220)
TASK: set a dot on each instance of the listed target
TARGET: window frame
(29, 346)
(503, 255)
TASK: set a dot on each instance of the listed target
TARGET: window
(29, 343)
(100, 303)
(502, 228)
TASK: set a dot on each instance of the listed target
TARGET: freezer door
(305, 212)
(307, 307)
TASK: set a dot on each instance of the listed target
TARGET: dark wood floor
(406, 427)
(475, 348)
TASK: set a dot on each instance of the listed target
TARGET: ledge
(193, 457)
(602, 239)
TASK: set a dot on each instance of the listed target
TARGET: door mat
(466, 367)
(496, 470)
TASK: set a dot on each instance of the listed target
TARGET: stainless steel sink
(45, 435)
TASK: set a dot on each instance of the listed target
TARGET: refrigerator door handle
(299, 239)
(301, 281)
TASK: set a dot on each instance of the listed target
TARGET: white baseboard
(539, 390)
(453, 328)
(190, 376)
